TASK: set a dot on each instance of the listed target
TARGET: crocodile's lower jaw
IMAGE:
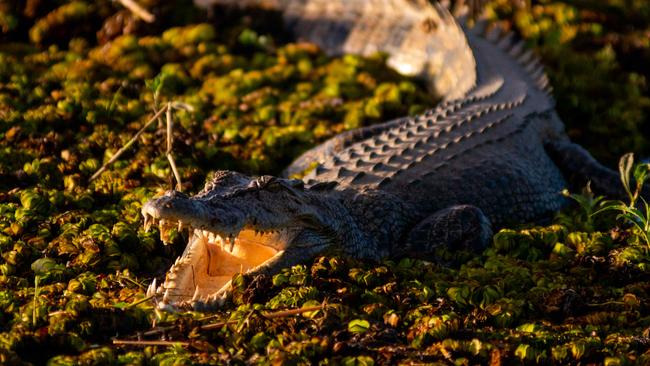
(209, 262)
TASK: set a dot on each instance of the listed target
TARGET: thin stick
(149, 343)
(144, 299)
(170, 141)
(126, 278)
(128, 144)
(219, 325)
(285, 313)
(36, 278)
(138, 10)
(277, 314)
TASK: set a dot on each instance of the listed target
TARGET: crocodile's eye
(265, 181)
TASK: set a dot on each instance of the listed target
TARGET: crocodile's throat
(211, 259)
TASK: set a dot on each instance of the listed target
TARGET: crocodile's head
(239, 224)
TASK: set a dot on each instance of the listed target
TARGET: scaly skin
(492, 153)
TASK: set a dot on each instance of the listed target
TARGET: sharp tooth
(150, 291)
(180, 226)
(219, 300)
(196, 294)
(166, 296)
(147, 222)
(164, 231)
(153, 284)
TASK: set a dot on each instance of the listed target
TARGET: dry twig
(124, 342)
(168, 153)
(128, 144)
(219, 325)
(138, 10)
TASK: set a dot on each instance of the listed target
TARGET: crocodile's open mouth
(211, 259)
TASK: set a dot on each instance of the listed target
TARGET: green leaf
(641, 174)
(578, 349)
(561, 250)
(559, 353)
(459, 294)
(524, 351)
(310, 303)
(358, 361)
(280, 279)
(121, 305)
(155, 84)
(625, 165)
(613, 361)
(45, 266)
(259, 341)
(358, 326)
(475, 346)
(528, 327)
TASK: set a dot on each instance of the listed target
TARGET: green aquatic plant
(571, 292)
(637, 210)
(589, 204)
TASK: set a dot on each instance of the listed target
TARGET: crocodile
(493, 152)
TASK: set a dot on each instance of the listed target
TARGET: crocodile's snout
(171, 202)
(176, 208)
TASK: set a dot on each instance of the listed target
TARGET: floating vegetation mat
(78, 79)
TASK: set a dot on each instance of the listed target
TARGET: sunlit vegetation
(79, 78)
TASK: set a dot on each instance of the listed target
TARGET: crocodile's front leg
(461, 227)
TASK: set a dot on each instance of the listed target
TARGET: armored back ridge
(452, 144)
(492, 153)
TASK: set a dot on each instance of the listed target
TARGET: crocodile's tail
(515, 58)
(419, 38)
